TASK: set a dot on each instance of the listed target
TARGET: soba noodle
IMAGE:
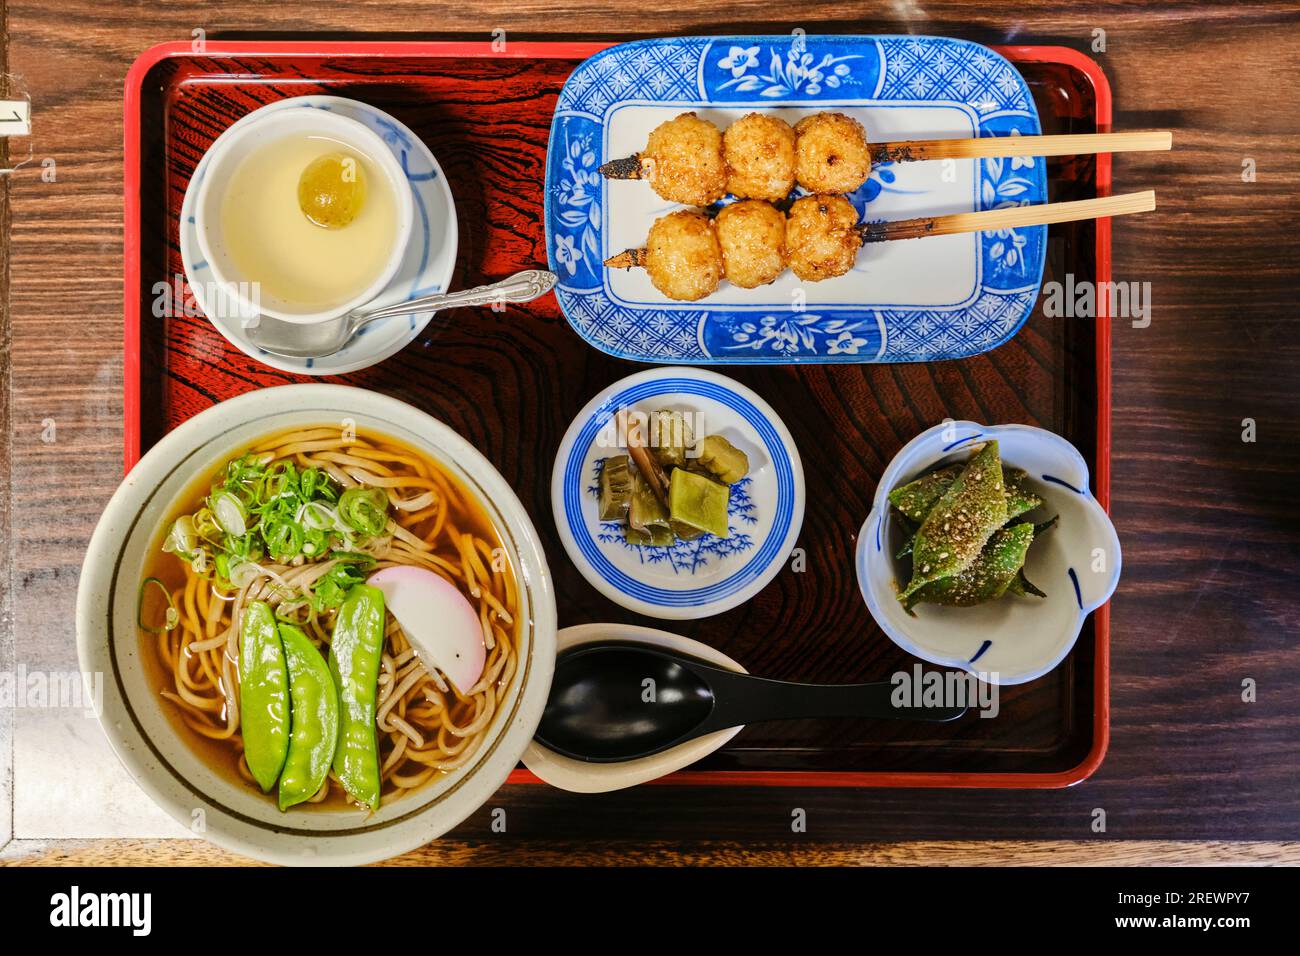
(425, 727)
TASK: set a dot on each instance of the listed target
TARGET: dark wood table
(1211, 536)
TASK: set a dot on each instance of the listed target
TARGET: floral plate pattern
(691, 579)
(922, 300)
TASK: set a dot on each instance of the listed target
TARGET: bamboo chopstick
(985, 147)
(1012, 217)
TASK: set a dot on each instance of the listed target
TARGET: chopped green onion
(316, 541)
(284, 539)
(364, 510)
(205, 525)
(316, 515)
(311, 480)
(171, 617)
(244, 573)
(229, 513)
(181, 539)
(333, 586)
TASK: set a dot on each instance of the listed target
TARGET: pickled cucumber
(670, 436)
(615, 488)
(723, 460)
(655, 537)
(646, 513)
(332, 190)
(695, 501)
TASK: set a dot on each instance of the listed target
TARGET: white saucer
(577, 776)
(427, 268)
(709, 575)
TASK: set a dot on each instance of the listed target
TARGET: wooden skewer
(629, 167)
(1013, 217)
(985, 147)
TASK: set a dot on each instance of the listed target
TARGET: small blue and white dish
(691, 579)
(1014, 639)
(929, 299)
(426, 267)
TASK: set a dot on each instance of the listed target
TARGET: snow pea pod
(987, 578)
(263, 694)
(314, 719)
(917, 497)
(1019, 499)
(355, 651)
(961, 522)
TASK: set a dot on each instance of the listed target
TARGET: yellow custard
(302, 266)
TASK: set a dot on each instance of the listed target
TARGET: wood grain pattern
(501, 852)
(1207, 521)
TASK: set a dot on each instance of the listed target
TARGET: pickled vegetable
(959, 525)
(699, 502)
(653, 537)
(645, 512)
(332, 190)
(670, 437)
(615, 488)
(723, 460)
(668, 489)
(684, 532)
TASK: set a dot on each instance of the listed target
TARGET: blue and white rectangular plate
(940, 297)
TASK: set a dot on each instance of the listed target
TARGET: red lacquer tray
(511, 382)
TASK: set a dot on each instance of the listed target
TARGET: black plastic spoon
(619, 701)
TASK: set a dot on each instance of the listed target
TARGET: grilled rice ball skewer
(823, 234)
(750, 243)
(832, 155)
(687, 160)
(759, 150)
(682, 162)
(752, 237)
(687, 253)
(681, 256)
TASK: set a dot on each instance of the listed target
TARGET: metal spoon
(598, 709)
(318, 339)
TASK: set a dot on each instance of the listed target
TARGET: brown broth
(223, 756)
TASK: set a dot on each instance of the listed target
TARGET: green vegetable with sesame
(964, 533)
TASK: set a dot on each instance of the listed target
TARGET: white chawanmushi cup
(233, 146)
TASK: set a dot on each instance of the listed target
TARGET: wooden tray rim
(132, 150)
